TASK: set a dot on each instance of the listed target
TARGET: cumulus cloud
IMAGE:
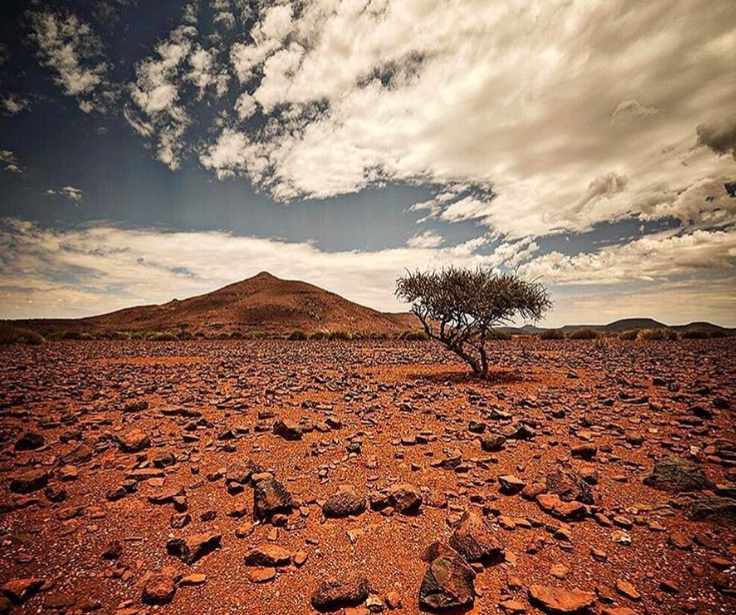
(720, 136)
(72, 193)
(13, 103)
(10, 161)
(159, 94)
(69, 48)
(628, 112)
(653, 257)
(538, 99)
(427, 239)
(73, 272)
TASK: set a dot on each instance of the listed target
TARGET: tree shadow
(464, 377)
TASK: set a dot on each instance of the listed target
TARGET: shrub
(414, 336)
(697, 334)
(340, 336)
(298, 335)
(657, 335)
(320, 335)
(584, 334)
(163, 337)
(237, 335)
(461, 308)
(70, 335)
(717, 333)
(10, 334)
(552, 334)
(500, 335)
(630, 334)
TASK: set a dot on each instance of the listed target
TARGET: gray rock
(675, 474)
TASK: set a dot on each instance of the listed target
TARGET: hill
(261, 303)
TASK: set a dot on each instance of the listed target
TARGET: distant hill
(264, 303)
(626, 324)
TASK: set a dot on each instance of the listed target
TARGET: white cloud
(153, 266)
(72, 193)
(13, 103)
(427, 239)
(10, 161)
(541, 100)
(630, 111)
(70, 48)
(653, 257)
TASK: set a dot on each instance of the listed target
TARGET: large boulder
(569, 487)
(133, 441)
(714, 508)
(676, 474)
(559, 601)
(29, 481)
(191, 548)
(405, 498)
(29, 441)
(159, 589)
(344, 502)
(267, 555)
(348, 590)
(476, 540)
(288, 430)
(269, 498)
(448, 583)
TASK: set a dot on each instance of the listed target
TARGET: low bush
(414, 336)
(163, 337)
(298, 335)
(320, 335)
(584, 334)
(343, 336)
(552, 334)
(630, 334)
(500, 335)
(70, 335)
(10, 334)
(717, 334)
(697, 334)
(656, 335)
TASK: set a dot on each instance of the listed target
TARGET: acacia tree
(462, 307)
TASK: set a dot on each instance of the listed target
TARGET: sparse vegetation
(697, 334)
(163, 337)
(343, 336)
(10, 334)
(630, 334)
(70, 335)
(552, 334)
(584, 334)
(414, 336)
(462, 308)
(298, 335)
(503, 336)
(656, 335)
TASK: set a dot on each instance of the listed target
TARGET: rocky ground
(268, 477)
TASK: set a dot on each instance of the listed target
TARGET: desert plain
(290, 477)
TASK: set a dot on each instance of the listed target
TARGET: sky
(160, 149)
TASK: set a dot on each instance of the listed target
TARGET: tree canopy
(462, 307)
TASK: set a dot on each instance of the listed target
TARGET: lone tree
(461, 307)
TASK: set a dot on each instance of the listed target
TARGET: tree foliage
(462, 307)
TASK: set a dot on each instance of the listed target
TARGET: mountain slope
(263, 302)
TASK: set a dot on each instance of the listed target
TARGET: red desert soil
(131, 472)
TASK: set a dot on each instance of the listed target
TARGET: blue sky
(151, 150)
